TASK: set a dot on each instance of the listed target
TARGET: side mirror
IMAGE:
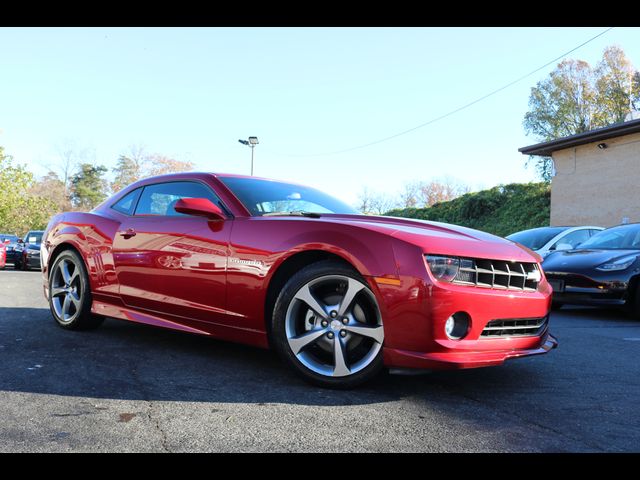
(199, 207)
(564, 246)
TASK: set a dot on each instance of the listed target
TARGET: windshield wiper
(295, 213)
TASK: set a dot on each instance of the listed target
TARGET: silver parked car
(544, 240)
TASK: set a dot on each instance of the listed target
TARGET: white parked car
(544, 240)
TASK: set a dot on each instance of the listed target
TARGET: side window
(593, 232)
(574, 238)
(160, 198)
(127, 203)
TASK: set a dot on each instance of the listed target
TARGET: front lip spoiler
(454, 360)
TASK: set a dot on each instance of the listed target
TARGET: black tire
(79, 293)
(280, 341)
(633, 303)
(556, 305)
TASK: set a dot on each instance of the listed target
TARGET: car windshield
(536, 238)
(33, 237)
(262, 197)
(621, 237)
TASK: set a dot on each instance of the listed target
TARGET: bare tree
(422, 194)
(410, 195)
(375, 203)
(52, 187)
(67, 162)
(160, 164)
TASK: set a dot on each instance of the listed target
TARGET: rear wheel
(70, 294)
(328, 327)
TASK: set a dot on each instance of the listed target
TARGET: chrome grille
(498, 274)
(515, 327)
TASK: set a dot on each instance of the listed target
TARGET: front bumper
(579, 289)
(13, 255)
(32, 260)
(415, 336)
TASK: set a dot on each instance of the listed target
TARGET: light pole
(252, 142)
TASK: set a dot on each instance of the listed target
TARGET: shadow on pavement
(124, 360)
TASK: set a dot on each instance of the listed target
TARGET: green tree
(20, 209)
(617, 92)
(576, 98)
(88, 186)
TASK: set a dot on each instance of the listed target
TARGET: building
(597, 179)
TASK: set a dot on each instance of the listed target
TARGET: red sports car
(337, 294)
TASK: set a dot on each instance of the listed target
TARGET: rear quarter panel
(92, 235)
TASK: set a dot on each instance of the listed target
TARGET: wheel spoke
(304, 294)
(353, 287)
(75, 299)
(57, 291)
(74, 275)
(340, 369)
(301, 341)
(376, 333)
(64, 270)
(66, 306)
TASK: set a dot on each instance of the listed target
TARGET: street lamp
(252, 142)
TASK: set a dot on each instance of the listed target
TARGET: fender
(259, 246)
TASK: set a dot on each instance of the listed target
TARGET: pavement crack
(151, 414)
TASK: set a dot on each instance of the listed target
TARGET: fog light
(457, 325)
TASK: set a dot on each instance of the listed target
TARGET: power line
(459, 109)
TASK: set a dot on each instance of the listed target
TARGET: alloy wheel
(333, 326)
(66, 290)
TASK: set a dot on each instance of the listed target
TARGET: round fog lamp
(457, 325)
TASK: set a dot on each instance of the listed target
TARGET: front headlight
(33, 250)
(443, 268)
(619, 264)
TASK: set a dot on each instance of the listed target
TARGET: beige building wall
(596, 186)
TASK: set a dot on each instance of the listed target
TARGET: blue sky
(192, 93)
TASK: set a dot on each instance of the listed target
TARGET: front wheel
(70, 294)
(327, 326)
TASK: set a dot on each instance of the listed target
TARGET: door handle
(130, 232)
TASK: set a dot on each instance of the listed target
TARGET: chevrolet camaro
(338, 295)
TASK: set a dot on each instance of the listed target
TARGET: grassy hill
(500, 210)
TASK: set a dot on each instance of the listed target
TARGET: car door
(169, 262)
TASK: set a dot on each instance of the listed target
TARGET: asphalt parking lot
(128, 387)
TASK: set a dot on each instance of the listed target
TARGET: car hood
(581, 259)
(442, 238)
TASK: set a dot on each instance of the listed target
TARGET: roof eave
(605, 133)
